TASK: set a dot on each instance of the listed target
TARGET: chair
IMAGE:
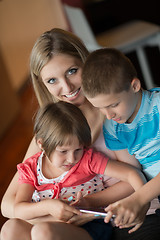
(132, 36)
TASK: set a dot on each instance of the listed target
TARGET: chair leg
(145, 68)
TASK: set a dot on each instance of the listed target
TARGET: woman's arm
(10, 194)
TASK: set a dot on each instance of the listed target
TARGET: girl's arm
(109, 195)
(131, 177)
(27, 210)
(124, 156)
(116, 191)
(10, 194)
(126, 173)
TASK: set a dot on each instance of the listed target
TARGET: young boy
(111, 84)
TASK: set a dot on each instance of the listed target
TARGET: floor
(14, 143)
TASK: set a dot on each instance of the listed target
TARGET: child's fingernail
(70, 198)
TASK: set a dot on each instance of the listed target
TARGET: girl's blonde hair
(56, 123)
(53, 42)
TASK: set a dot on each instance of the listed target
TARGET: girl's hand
(129, 212)
(80, 201)
(60, 210)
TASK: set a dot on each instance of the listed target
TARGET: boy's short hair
(107, 71)
(56, 123)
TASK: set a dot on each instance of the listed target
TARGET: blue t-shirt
(142, 136)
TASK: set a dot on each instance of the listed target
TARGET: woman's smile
(73, 95)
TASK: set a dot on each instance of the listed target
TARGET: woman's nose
(67, 85)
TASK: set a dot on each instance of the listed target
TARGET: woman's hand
(129, 212)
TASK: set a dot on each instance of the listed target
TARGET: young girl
(65, 167)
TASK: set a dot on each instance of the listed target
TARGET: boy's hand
(129, 212)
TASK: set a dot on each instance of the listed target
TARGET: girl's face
(63, 158)
(62, 77)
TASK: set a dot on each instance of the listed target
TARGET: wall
(21, 22)
(9, 104)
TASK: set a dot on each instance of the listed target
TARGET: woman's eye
(72, 71)
(51, 81)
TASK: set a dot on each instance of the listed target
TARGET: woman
(56, 64)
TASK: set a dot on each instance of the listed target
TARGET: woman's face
(62, 77)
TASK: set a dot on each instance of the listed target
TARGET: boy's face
(120, 107)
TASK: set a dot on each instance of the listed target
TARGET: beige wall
(21, 22)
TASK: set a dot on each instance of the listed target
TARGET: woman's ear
(136, 85)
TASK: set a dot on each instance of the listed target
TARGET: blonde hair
(48, 45)
(56, 123)
(107, 71)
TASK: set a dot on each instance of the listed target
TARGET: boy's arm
(132, 210)
(27, 210)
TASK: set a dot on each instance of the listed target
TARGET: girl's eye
(72, 71)
(51, 81)
(79, 149)
(63, 152)
(114, 105)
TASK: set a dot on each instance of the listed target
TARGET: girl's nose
(71, 158)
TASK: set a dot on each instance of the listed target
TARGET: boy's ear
(136, 85)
